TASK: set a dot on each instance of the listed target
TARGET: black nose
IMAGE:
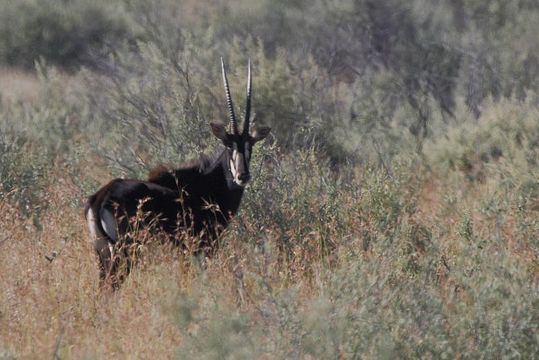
(244, 177)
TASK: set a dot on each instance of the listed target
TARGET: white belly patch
(108, 222)
(100, 241)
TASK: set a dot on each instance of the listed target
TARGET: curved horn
(248, 100)
(233, 121)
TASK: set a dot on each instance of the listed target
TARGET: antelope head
(239, 144)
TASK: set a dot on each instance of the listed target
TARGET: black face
(240, 147)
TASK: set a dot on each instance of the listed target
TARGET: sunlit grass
(418, 266)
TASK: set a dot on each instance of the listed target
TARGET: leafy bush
(23, 173)
(504, 139)
(455, 302)
(7, 355)
(361, 79)
(65, 33)
(32, 137)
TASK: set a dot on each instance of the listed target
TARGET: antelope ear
(219, 131)
(260, 133)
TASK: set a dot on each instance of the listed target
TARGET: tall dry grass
(416, 266)
(18, 84)
(51, 303)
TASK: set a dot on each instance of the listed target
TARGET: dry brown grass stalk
(55, 307)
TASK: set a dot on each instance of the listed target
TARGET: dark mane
(167, 175)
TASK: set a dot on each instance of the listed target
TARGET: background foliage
(392, 213)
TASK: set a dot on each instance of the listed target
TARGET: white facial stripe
(233, 169)
(247, 156)
(233, 164)
(235, 160)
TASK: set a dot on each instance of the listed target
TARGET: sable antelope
(200, 197)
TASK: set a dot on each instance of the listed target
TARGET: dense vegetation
(394, 212)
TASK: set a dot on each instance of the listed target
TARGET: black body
(199, 198)
(196, 200)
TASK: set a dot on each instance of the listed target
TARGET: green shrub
(5, 354)
(33, 136)
(368, 309)
(504, 140)
(66, 33)
(23, 172)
